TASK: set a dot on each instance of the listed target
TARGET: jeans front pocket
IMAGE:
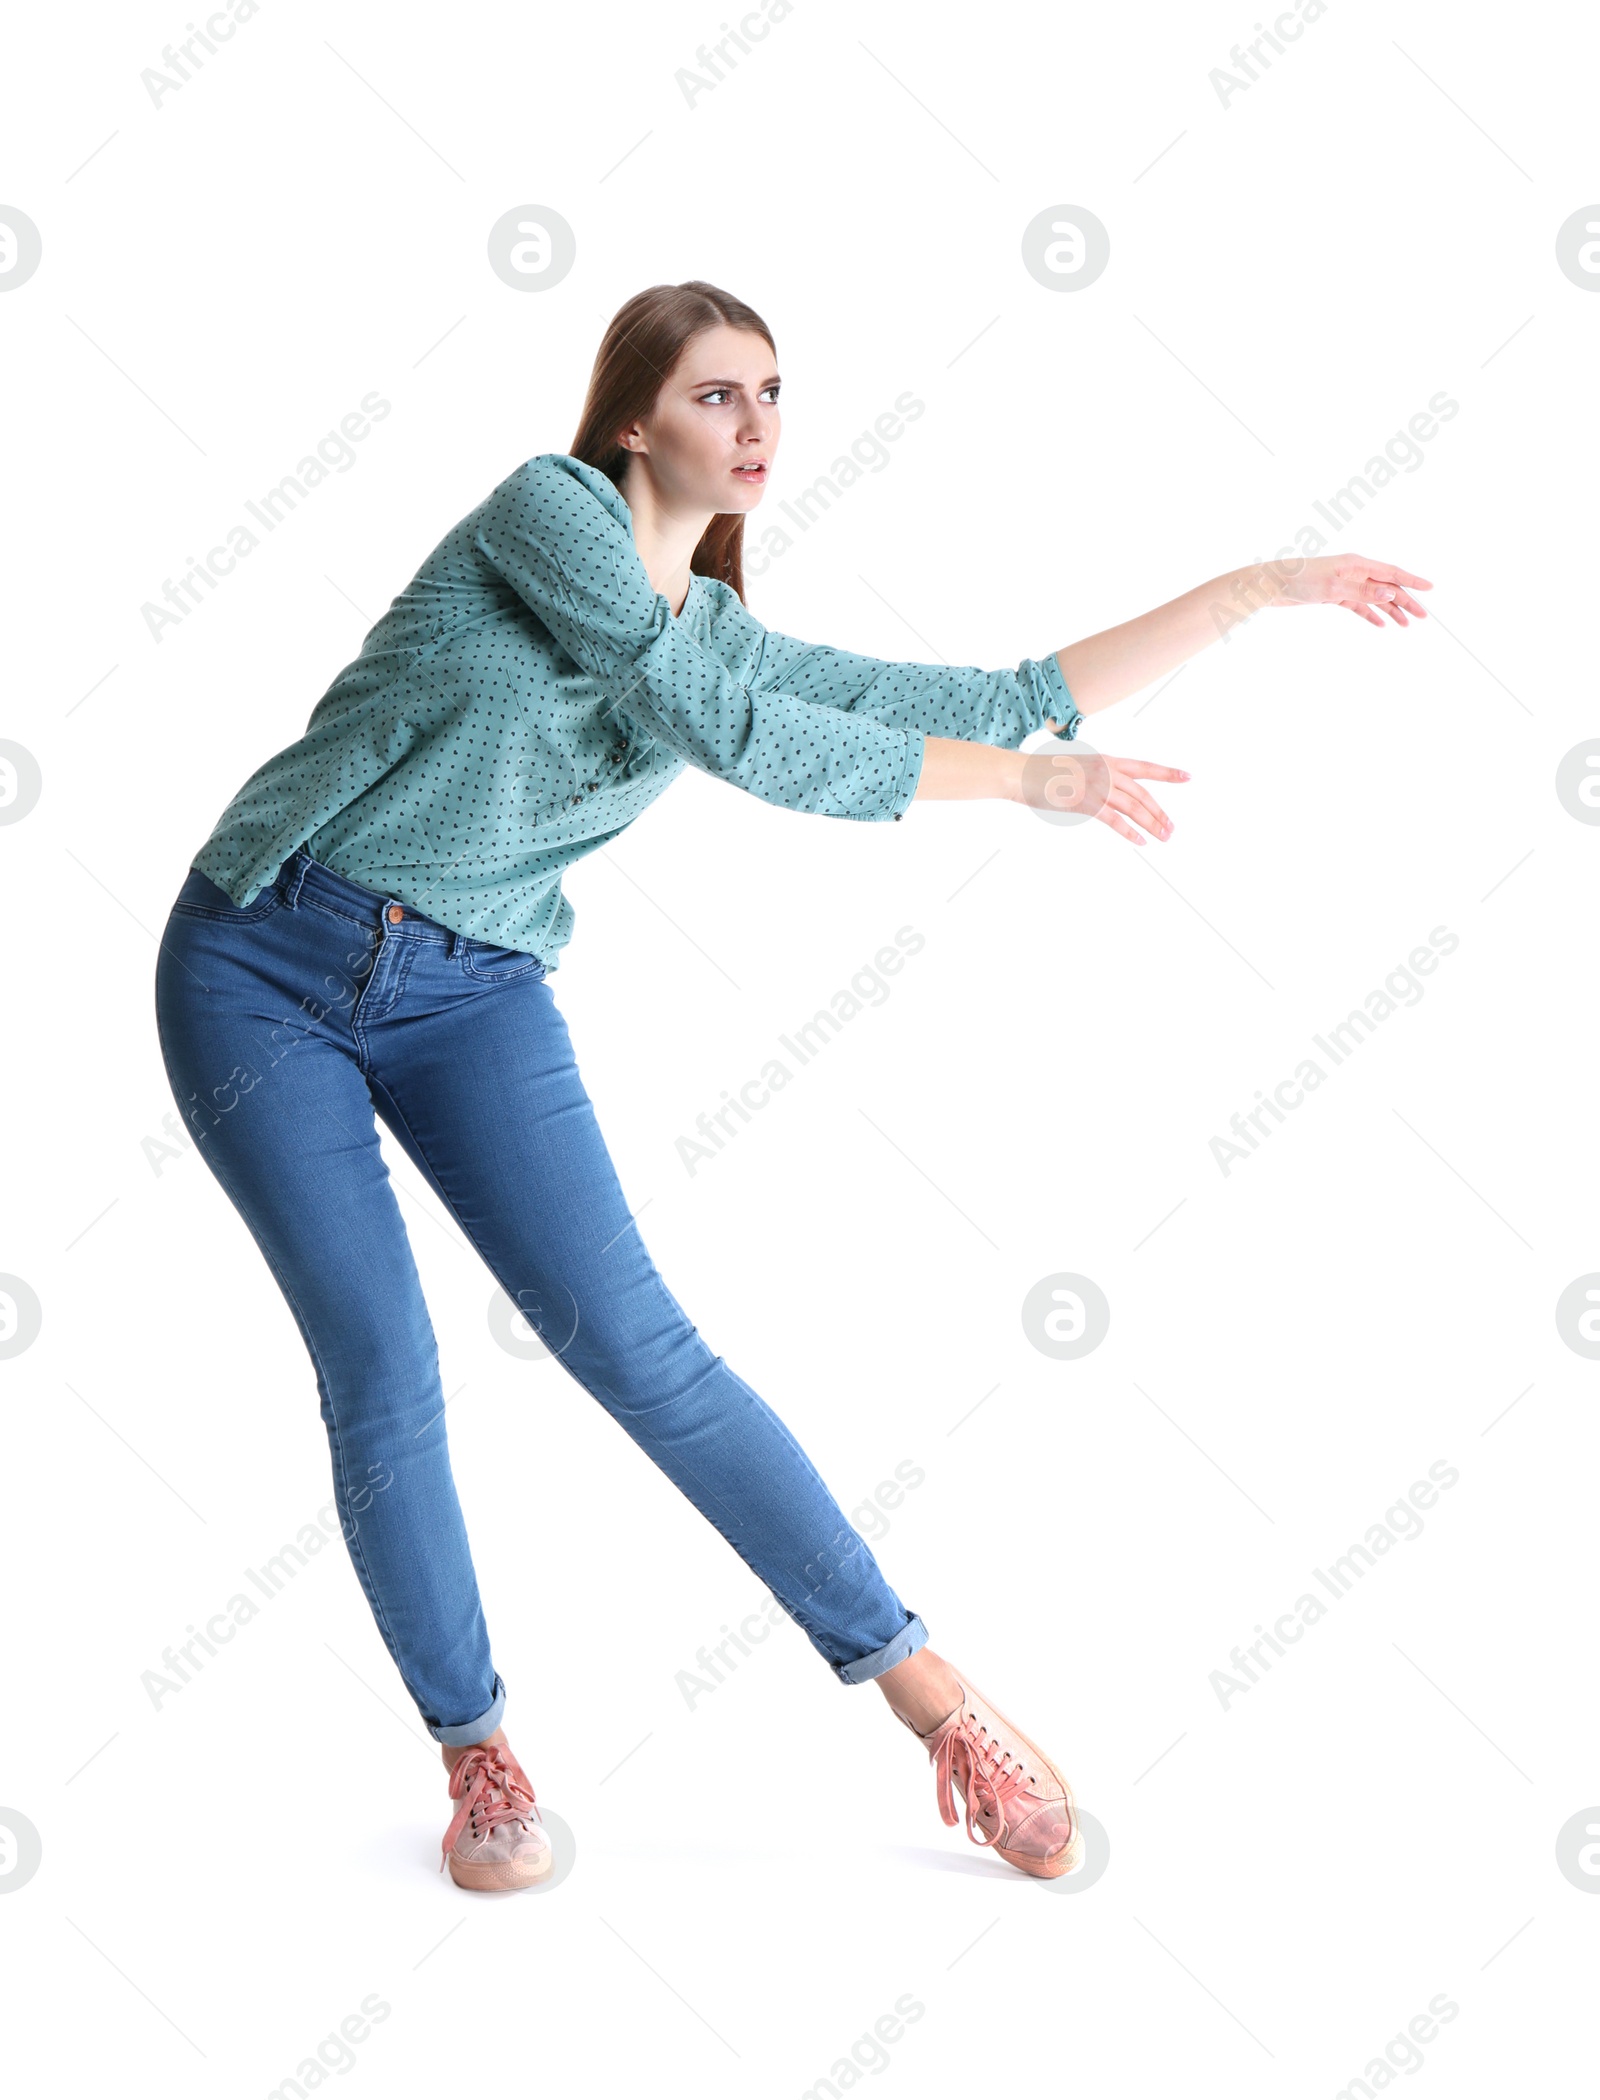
(487, 964)
(200, 898)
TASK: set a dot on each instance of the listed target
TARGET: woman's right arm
(553, 537)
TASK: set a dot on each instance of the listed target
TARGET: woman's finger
(1135, 803)
(1124, 800)
(1143, 769)
(1387, 572)
(1119, 824)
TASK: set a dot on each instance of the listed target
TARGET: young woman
(371, 926)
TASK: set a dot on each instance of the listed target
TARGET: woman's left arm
(1107, 667)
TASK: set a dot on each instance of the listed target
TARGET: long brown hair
(643, 342)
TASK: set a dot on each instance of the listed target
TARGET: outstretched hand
(1367, 588)
(1091, 784)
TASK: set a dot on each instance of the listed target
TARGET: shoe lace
(492, 1789)
(990, 1777)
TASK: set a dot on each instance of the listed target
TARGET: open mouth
(755, 473)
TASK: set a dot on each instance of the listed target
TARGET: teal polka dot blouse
(529, 693)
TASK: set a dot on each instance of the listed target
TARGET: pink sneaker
(497, 1840)
(1017, 1801)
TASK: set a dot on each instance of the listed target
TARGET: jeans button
(395, 914)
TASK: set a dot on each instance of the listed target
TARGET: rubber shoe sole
(500, 1873)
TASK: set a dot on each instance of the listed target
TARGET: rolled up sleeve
(972, 706)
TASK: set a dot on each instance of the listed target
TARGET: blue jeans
(283, 1027)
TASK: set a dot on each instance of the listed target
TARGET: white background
(1292, 277)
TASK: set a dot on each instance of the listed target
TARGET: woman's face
(708, 442)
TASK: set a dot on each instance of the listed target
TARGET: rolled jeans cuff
(474, 1731)
(912, 1636)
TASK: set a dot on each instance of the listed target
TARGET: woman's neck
(666, 539)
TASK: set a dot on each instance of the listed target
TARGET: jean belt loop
(293, 874)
